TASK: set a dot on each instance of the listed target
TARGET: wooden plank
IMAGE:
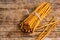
(12, 13)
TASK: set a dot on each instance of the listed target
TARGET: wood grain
(13, 12)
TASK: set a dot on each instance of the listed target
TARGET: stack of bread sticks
(33, 20)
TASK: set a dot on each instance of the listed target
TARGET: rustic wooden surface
(12, 12)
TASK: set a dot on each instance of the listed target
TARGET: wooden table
(13, 12)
